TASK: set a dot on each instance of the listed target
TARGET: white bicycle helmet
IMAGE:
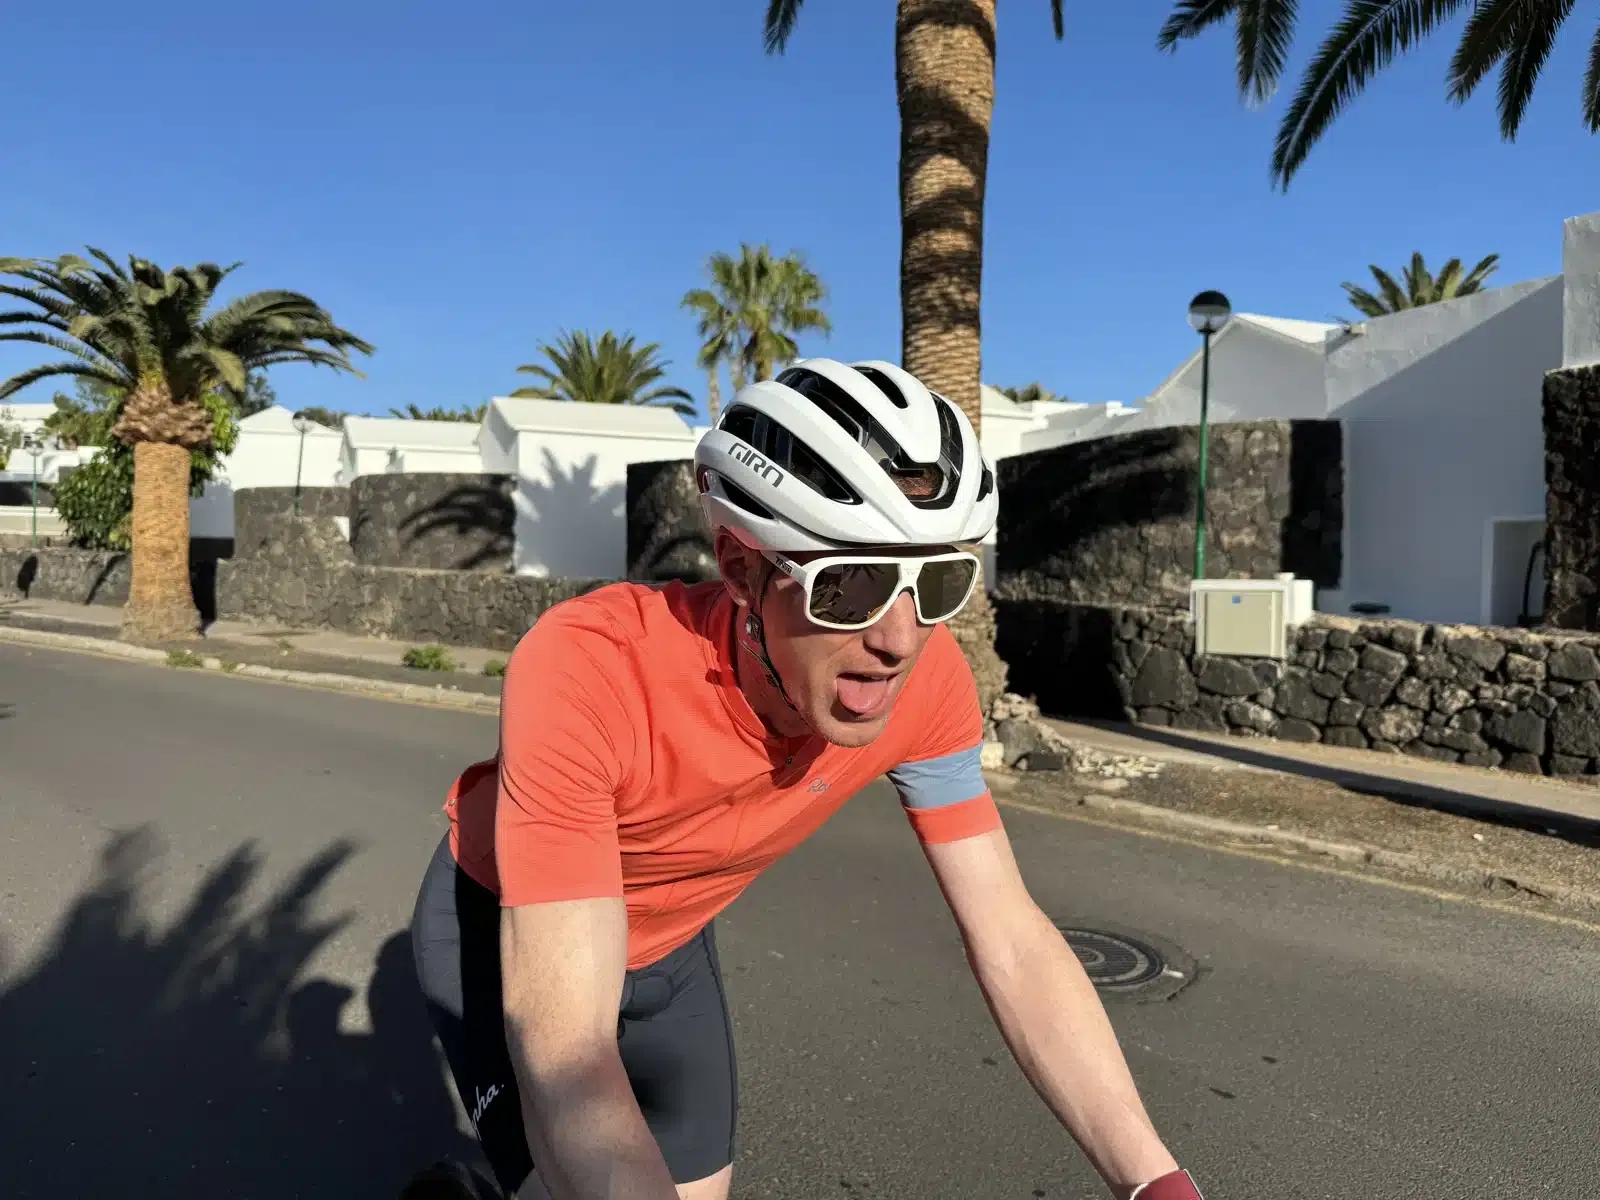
(831, 455)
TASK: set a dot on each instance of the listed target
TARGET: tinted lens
(853, 593)
(942, 588)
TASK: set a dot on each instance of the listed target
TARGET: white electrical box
(1248, 618)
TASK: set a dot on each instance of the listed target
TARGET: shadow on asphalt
(194, 1059)
(1403, 791)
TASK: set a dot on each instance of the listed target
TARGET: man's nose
(895, 634)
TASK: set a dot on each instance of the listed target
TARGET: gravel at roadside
(1305, 817)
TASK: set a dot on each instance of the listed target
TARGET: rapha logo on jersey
(748, 456)
(818, 785)
(483, 1102)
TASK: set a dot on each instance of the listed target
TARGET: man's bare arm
(562, 967)
(1048, 1011)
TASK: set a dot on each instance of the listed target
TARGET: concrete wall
(1580, 267)
(1443, 435)
(571, 499)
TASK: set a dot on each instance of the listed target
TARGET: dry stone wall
(1507, 698)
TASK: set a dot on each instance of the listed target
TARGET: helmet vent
(886, 386)
(740, 498)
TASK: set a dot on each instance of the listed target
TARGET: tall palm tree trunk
(944, 75)
(713, 393)
(160, 601)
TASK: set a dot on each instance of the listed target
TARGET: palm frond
(1484, 42)
(1591, 88)
(16, 383)
(781, 16)
(1264, 31)
(1370, 35)
(1446, 281)
(1484, 268)
(1191, 18)
(1394, 297)
(1533, 36)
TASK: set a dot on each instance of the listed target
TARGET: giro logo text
(758, 464)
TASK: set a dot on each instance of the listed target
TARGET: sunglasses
(850, 592)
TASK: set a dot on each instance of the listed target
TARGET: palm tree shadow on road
(195, 1059)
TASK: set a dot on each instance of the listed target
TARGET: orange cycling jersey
(631, 764)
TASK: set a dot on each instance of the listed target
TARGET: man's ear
(738, 564)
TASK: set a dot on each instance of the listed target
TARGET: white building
(1443, 421)
(571, 463)
(270, 452)
(391, 445)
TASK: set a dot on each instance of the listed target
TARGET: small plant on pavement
(429, 658)
(227, 664)
(495, 668)
(184, 658)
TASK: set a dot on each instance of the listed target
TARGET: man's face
(843, 684)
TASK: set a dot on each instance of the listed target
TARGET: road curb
(1345, 852)
(437, 695)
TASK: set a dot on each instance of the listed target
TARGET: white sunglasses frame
(910, 571)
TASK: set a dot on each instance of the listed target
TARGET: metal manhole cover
(1114, 961)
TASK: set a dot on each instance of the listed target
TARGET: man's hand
(1177, 1185)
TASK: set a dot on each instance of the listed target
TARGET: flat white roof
(381, 433)
(279, 419)
(1312, 333)
(25, 412)
(603, 420)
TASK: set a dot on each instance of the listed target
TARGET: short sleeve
(566, 744)
(941, 782)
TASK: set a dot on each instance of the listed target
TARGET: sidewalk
(1531, 800)
(1534, 802)
(277, 646)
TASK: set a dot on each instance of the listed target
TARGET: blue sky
(456, 183)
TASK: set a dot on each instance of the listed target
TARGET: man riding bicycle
(661, 746)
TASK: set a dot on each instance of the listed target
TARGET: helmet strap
(755, 632)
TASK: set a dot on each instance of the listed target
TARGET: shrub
(495, 668)
(429, 658)
(96, 500)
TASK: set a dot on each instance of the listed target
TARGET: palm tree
(1422, 287)
(1515, 35)
(609, 370)
(1029, 394)
(466, 413)
(751, 312)
(145, 333)
(944, 77)
(84, 419)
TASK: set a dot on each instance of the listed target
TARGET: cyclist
(661, 745)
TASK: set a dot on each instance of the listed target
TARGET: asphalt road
(204, 990)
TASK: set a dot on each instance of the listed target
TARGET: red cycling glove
(1176, 1186)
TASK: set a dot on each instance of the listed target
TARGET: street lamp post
(35, 448)
(302, 424)
(1208, 313)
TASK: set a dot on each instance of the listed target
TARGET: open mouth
(864, 695)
